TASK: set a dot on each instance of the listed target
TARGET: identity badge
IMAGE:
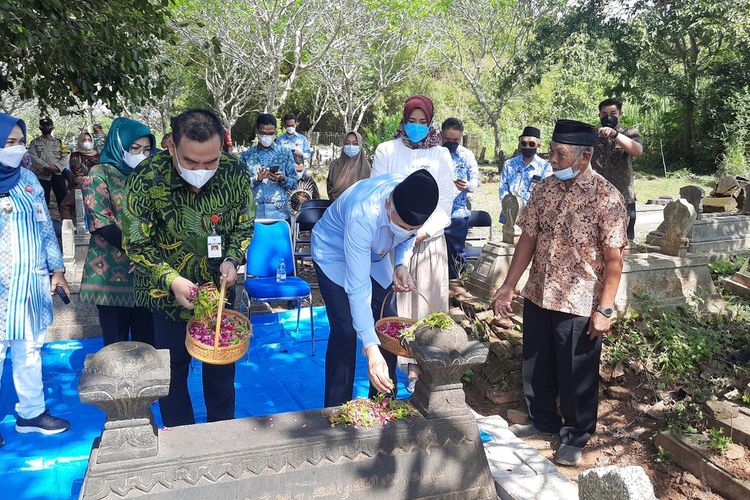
(214, 246)
(39, 213)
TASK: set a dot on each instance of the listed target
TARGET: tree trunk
(498, 139)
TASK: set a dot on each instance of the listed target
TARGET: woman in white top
(417, 144)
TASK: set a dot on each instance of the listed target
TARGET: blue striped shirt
(29, 253)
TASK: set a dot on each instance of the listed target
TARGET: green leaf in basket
(438, 320)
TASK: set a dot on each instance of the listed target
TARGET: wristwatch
(233, 262)
(607, 312)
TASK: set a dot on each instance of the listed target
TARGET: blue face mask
(416, 131)
(351, 150)
(567, 173)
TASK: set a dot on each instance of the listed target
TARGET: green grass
(650, 186)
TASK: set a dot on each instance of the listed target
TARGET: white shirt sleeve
(381, 161)
(441, 217)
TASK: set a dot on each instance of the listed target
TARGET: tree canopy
(681, 66)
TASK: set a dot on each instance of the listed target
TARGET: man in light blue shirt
(272, 171)
(294, 141)
(521, 172)
(361, 247)
(466, 180)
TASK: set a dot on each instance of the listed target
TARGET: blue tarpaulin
(278, 375)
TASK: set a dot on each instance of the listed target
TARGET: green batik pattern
(166, 225)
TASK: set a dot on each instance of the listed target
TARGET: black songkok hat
(531, 132)
(416, 197)
(574, 132)
(45, 121)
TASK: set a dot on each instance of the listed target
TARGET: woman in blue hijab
(107, 275)
(30, 253)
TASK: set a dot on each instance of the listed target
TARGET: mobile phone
(61, 293)
(274, 169)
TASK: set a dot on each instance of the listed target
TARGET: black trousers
(126, 323)
(559, 359)
(631, 221)
(341, 353)
(455, 238)
(218, 381)
(58, 184)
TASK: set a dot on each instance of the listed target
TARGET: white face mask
(266, 140)
(196, 178)
(291, 130)
(12, 155)
(87, 145)
(132, 161)
(398, 231)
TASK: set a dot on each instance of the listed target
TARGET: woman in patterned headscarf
(418, 144)
(107, 278)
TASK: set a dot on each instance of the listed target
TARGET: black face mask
(528, 152)
(451, 146)
(610, 121)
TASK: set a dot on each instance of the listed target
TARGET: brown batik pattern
(572, 228)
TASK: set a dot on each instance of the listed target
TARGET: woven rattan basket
(390, 344)
(215, 355)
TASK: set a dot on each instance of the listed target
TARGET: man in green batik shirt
(178, 205)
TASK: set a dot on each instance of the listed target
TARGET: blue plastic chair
(272, 242)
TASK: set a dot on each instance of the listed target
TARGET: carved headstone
(443, 358)
(511, 207)
(694, 195)
(123, 380)
(679, 217)
(288, 455)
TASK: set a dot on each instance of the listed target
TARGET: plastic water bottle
(281, 271)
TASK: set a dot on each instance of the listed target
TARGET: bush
(670, 343)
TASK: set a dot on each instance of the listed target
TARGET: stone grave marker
(719, 204)
(694, 195)
(743, 202)
(739, 283)
(82, 233)
(511, 208)
(295, 455)
(679, 217)
(68, 246)
(615, 483)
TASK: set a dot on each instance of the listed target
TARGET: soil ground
(623, 437)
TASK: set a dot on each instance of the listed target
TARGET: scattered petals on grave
(379, 410)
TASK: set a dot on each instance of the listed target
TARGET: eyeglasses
(529, 144)
(138, 149)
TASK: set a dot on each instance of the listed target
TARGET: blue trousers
(455, 239)
(341, 352)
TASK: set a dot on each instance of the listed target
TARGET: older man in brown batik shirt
(574, 228)
(613, 154)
